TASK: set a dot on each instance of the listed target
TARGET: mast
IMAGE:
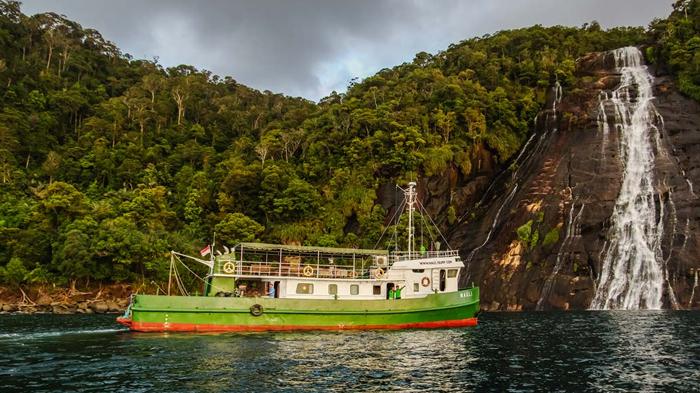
(410, 201)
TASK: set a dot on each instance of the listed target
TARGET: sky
(309, 48)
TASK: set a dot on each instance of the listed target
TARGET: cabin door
(435, 280)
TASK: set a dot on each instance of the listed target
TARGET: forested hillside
(108, 162)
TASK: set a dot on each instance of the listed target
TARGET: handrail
(302, 270)
(403, 255)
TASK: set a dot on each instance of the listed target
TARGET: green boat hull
(219, 314)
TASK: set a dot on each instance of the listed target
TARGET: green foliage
(528, 235)
(552, 237)
(677, 45)
(298, 200)
(14, 273)
(107, 162)
(236, 228)
(524, 232)
(451, 215)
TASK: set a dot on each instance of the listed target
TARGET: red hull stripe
(191, 327)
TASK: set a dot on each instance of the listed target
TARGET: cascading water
(692, 294)
(603, 122)
(632, 275)
(493, 224)
(572, 230)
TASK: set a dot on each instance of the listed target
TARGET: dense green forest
(109, 162)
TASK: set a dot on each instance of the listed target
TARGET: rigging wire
(399, 209)
(180, 284)
(420, 205)
(200, 278)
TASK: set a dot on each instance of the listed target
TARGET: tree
(180, 90)
(114, 110)
(14, 273)
(299, 200)
(61, 202)
(51, 165)
(152, 83)
(235, 228)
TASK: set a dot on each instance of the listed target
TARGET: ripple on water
(581, 351)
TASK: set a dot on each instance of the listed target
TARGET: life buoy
(308, 271)
(229, 267)
(379, 273)
(256, 310)
(425, 281)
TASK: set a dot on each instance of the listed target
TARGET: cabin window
(418, 270)
(377, 290)
(354, 289)
(416, 287)
(332, 289)
(443, 280)
(305, 289)
(452, 273)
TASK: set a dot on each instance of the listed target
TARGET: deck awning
(309, 249)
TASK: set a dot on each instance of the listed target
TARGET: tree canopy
(108, 162)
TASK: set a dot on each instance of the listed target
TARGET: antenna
(410, 201)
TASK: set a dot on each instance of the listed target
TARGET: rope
(200, 278)
(400, 209)
(180, 284)
(420, 205)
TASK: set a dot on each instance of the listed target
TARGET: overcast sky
(309, 48)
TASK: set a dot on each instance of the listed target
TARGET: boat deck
(254, 260)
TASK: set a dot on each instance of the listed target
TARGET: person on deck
(271, 292)
(392, 294)
(397, 291)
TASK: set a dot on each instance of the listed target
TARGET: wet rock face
(548, 218)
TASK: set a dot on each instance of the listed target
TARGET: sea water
(531, 351)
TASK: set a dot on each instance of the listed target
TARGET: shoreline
(42, 299)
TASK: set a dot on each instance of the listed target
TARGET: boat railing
(291, 269)
(405, 255)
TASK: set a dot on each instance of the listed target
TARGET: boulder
(43, 300)
(99, 307)
(60, 309)
(113, 307)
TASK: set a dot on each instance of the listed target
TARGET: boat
(276, 287)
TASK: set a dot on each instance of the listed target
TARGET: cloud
(309, 48)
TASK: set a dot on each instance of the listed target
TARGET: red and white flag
(206, 250)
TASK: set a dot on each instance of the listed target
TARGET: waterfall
(493, 224)
(692, 294)
(558, 94)
(488, 236)
(603, 122)
(632, 274)
(572, 230)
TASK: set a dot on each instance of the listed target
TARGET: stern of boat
(125, 319)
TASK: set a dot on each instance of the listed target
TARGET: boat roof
(329, 250)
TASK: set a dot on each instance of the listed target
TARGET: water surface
(519, 352)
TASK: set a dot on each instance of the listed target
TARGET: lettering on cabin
(441, 262)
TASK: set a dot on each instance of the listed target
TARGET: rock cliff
(535, 235)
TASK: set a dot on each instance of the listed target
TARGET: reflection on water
(586, 351)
